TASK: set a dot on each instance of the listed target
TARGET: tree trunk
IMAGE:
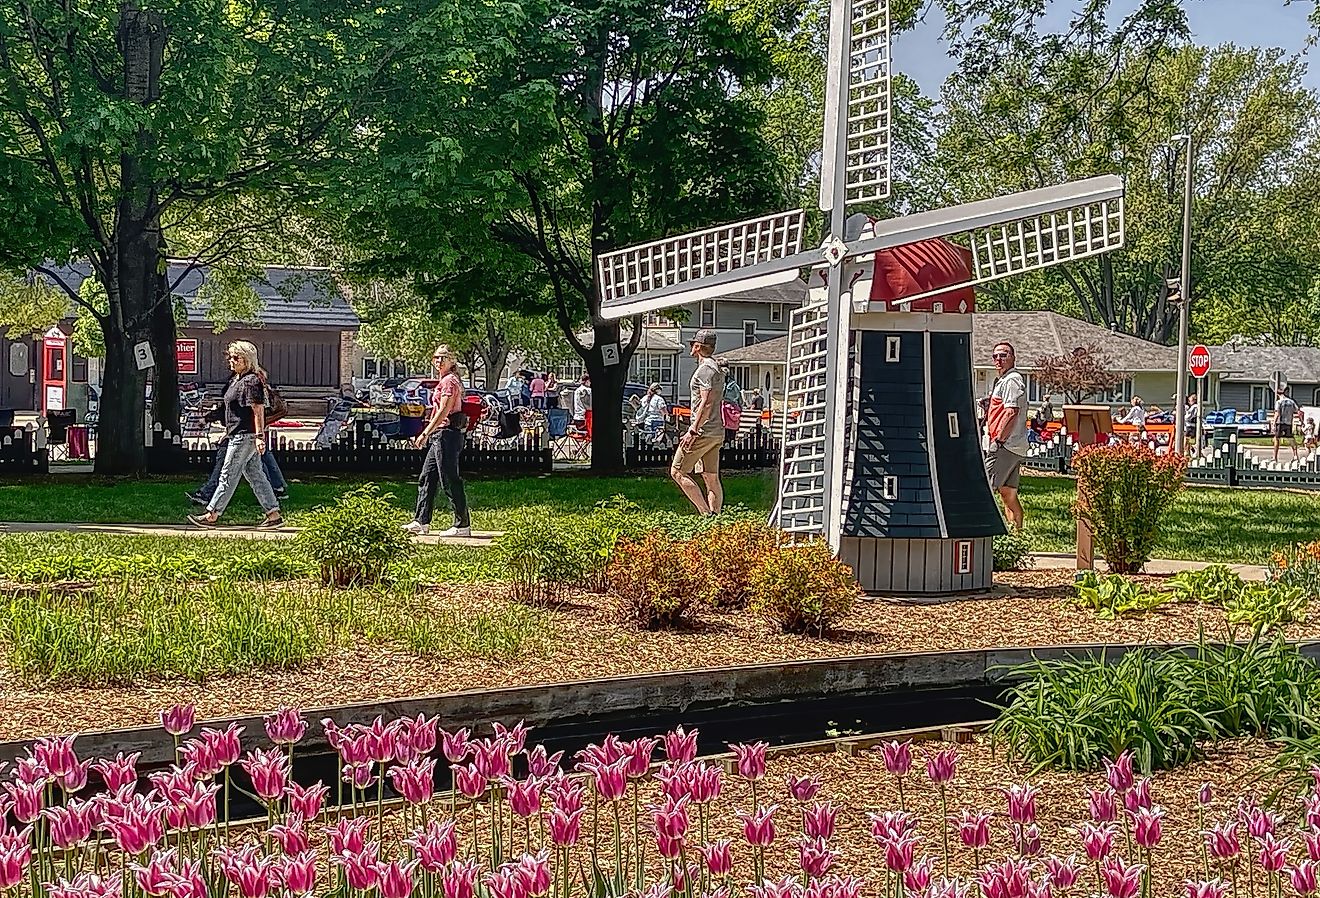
(120, 447)
(494, 368)
(606, 401)
(165, 376)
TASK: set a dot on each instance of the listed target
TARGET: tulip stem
(944, 827)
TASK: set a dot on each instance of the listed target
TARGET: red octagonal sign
(1199, 361)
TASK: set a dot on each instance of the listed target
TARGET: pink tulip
(225, 744)
(788, 887)
(942, 766)
(56, 754)
(196, 810)
(891, 824)
(506, 882)
(1027, 839)
(120, 772)
(285, 726)
(718, 857)
(15, 857)
(25, 799)
(252, 876)
(187, 882)
(269, 771)
(706, 783)
(818, 820)
(362, 869)
(173, 784)
(200, 755)
(611, 780)
(435, 846)
(524, 796)
(1063, 872)
(348, 835)
(1021, 803)
(1302, 878)
(949, 888)
(535, 870)
(355, 748)
(69, 826)
(803, 788)
(469, 781)
(460, 880)
(897, 757)
(76, 779)
(380, 740)
(31, 771)
(396, 879)
(290, 835)
(681, 877)
(1103, 806)
(567, 795)
(681, 746)
(490, 758)
(1312, 841)
(1213, 888)
(1273, 853)
(750, 760)
(974, 829)
(671, 820)
(360, 776)
(178, 720)
(456, 746)
(1222, 841)
(1138, 796)
(420, 733)
(639, 752)
(1119, 773)
(298, 873)
(542, 766)
(1098, 841)
(1261, 823)
(515, 737)
(138, 824)
(759, 827)
(306, 801)
(154, 878)
(1148, 826)
(565, 826)
(899, 852)
(1122, 880)
(1205, 796)
(917, 877)
(86, 885)
(415, 781)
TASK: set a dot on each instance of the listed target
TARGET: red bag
(474, 409)
(732, 416)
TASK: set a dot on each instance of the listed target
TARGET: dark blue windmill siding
(969, 508)
(891, 441)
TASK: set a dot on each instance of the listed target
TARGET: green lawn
(1207, 524)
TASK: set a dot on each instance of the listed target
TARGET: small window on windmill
(963, 557)
(889, 487)
(937, 307)
(892, 345)
(953, 425)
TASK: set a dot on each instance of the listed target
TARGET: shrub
(1215, 585)
(1266, 606)
(1298, 566)
(545, 557)
(1114, 595)
(653, 580)
(802, 587)
(1012, 551)
(729, 556)
(353, 541)
(1123, 492)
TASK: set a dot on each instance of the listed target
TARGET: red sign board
(1199, 361)
(186, 350)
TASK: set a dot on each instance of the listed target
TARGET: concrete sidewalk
(477, 540)
(1058, 561)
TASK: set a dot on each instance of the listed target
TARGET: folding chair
(58, 422)
(556, 428)
(582, 438)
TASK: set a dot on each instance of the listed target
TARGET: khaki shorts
(703, 457)
(1003, 468)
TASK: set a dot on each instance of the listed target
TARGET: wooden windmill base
(919, 567)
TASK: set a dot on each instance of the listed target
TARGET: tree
(607, 124)
(1078, 374)
(134, 131)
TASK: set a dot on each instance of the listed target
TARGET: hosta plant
(1214, 585)
(1113, 595)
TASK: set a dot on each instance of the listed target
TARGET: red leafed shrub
(802, 587)
(1123, 492)
(654, 580)
(729, 555)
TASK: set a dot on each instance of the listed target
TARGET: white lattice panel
(1048, 239)
(691, 257)
(868, 151)
(801, 505)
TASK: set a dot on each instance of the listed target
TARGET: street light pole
(1185, 297)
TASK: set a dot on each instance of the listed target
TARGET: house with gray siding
(1241, 375)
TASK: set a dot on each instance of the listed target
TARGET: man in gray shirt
(1286, 413)
(699, 448)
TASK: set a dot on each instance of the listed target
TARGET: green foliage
(730, 555)
(1012, 550)
(497, 635)
(353, 541)
(1266, 606)
(802, 587)
(1123, 493)
(254, 563)
(1114, 595)
(1299, 566)
(1214, 585)
(1072, 714)
(545, 556)
(653, 581)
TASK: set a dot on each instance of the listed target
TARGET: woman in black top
(243, 411)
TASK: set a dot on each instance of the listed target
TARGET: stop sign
(1199, 361)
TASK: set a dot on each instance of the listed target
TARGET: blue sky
(1266, 23)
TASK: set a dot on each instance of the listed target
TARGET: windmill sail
(859, 51)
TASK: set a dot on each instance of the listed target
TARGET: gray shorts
(1003, 467)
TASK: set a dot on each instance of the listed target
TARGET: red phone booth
(54, 348)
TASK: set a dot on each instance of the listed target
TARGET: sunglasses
(998, 355)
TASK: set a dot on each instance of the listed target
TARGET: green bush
(1298, 566)
(1114, 595)
(1012, 551)
(1214, 585)
(802, 587)
(653, 581)
(1123, 492)
(353, 541)
(730, 555)
(1266, 606)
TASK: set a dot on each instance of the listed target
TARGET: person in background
(699, 448)
(514, 387)
(1006, 431)
(1309, 433)
(652, 412)
(1136, 416)
(443, 438)
(551, 390)
(582, 402)
(1044, 416)
(538, 392)
(1286, 415)
(243, 411)
(202, 495)
(731, 405)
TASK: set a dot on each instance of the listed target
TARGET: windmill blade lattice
(869, 99)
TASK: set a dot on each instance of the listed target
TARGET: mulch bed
(1026, 609)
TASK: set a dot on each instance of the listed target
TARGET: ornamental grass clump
(1123, 493)
(353, 541)
(654, 581)
(802, 587)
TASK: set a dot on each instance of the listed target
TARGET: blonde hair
(249, 353)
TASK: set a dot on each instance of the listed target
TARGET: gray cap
(705, 338)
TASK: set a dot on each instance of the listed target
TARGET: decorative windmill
(881, 451)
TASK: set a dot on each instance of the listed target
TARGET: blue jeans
(242, 460)
(273, 473)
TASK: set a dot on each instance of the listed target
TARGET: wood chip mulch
(582, 641)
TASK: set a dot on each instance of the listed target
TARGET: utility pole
(1184, 303)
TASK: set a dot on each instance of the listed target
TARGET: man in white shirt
(582, 401)
(1006, 431)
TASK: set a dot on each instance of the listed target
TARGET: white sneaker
(455, 531)
(417, 529)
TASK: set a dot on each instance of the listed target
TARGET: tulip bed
(647, 817)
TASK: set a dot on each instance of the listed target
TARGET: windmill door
(15, 367)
